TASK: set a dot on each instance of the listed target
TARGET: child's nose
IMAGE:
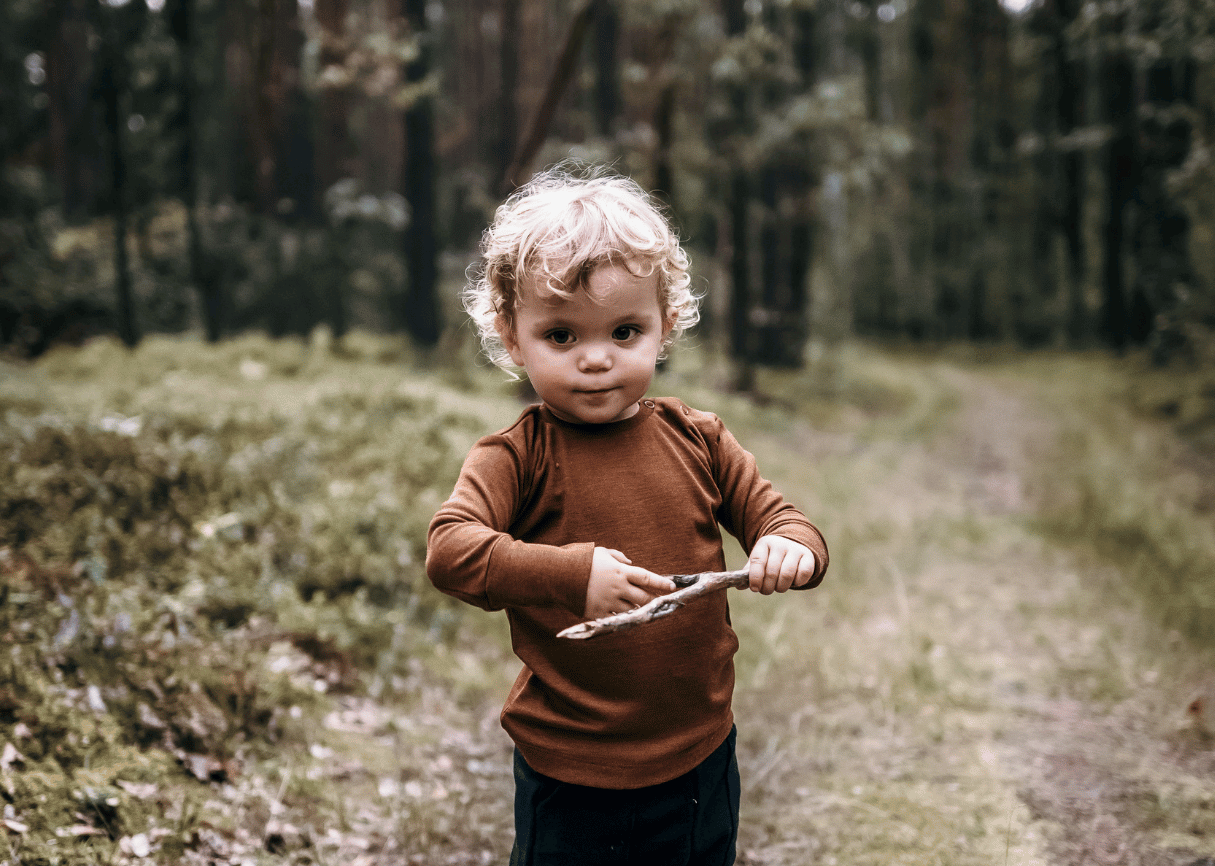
(595, 358)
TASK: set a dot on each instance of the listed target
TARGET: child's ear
(506, 332)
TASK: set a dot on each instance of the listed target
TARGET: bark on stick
(693, 586)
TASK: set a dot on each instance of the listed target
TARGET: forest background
(958, 261)
(944, 169)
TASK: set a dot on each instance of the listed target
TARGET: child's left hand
(778, 563)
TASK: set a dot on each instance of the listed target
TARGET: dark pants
(689, 821)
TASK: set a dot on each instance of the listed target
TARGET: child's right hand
(616, 585)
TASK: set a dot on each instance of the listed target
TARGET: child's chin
(596, 414)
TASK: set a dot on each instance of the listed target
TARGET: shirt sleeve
(751, 507)
(471, 556)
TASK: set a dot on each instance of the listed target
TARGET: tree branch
(693, 586)
(563, 73)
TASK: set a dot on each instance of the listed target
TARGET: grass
(918, 497)
(221, 638)
(1139, 485)
(196, 541)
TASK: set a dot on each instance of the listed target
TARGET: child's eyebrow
(555, 320)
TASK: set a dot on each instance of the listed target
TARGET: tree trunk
(264, 126)
(294, 147)
(111, 86)
(563, 73)
(740, 279)
(76, 159)
(1071, 116)
(332, 102)
(741, 349)
(205, 276)
(1051, 309)
(664, 128)
(508, 97)
(870, 49)
(1121, 177)
(1162, 237)
(607, 66)
(421, 313)
(666, 105)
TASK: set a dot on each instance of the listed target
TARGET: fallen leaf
(10, 756)
(140, 790)
(208, 769)
(137, 845)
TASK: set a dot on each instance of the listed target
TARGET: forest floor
(985, 677)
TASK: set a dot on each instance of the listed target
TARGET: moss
(193, 539)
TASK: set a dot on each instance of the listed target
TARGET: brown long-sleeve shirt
(532, 502)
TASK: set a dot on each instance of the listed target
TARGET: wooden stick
(693, 586)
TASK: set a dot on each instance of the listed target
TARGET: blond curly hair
(556, 231)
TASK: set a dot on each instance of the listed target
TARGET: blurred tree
(205, 273)
(421, 311)
(332, 96)
(1162, 228)
(118, 28)
(508, 96)
(75, 145)
(559, 79)
(738, 199)
(883, 153)
(1121, 169)
(23, 104)
(954, 45)
(606, 65)
(655, 47)
(1064, 88)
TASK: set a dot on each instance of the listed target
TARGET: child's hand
(616, 585)
(778, 563)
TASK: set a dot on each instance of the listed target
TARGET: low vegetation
(220, 645)
(195, 544)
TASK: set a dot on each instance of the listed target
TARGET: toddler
(625, 743)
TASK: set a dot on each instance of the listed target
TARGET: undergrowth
(201, 546)
(194, 542)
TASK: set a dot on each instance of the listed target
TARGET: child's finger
(634, 598)
(618, 556)
(772, 570)
(655, 583)
(757, 565)
(786, 572)
(805, 569)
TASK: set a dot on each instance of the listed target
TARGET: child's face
(591, 356)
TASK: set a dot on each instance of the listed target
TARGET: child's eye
(561, 338)
(625, 332)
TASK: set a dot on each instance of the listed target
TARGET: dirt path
(962, 690)
(970, 691)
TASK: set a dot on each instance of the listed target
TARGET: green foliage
(195, 543)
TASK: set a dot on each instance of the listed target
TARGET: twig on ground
(693, 586)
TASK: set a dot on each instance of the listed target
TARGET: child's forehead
(605, 282)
